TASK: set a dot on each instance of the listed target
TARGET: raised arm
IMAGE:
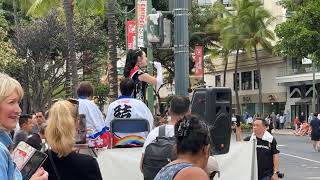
(152, 80)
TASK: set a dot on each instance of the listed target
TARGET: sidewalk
(284, 131)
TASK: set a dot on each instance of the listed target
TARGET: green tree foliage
(299, 36)
(43, 42)
(9, 62)
(257, 22)
(246, 28)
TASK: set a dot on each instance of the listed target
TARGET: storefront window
(218, 81)
(246, 80)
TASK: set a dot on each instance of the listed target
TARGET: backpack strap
(162, 131)
(53, 165)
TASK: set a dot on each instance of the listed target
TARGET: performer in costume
(136, 59)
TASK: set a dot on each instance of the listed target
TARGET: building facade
(297, 77)
(274, 97)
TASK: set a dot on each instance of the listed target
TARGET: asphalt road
(298, 160)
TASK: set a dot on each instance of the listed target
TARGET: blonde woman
(11, 93)
(63, 162)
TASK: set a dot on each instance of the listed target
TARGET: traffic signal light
(155, 28)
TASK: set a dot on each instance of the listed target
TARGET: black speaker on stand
(213, 105)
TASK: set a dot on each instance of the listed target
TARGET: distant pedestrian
(296, 122)
(310, 117)
(270, 123)
(315, 134)
(245, 117)
(273, 118)
(277, 121)
(302, 118)
(282, 121)
(286, 115)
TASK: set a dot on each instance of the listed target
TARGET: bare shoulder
(191, 174)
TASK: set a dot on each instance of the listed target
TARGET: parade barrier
(124, 163)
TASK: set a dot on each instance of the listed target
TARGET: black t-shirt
(73, 166)
(265, 152)
(315, 125)
(302, 118)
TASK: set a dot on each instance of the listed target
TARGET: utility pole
(150, 66)
(181, 47)
(313, 86)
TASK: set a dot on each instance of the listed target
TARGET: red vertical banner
(198, 58)
(131, 25)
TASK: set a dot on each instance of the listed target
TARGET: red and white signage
(141, 21)
(198, 58)
(131, 25)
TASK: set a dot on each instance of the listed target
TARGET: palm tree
(232, 38)
(226, 61)
(256, 21)
(43, 7)
(112, 48)
(68, 12)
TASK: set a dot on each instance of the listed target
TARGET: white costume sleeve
(157, 65)
(149, 118)
(109, 115)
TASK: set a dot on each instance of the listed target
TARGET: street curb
(284, 133)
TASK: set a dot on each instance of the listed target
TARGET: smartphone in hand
(28, 159)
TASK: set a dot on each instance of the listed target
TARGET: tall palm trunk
(236, 83)
(67, 84)
(259, 79)
(225, 70)
(68, 12)
(14, 5)
(112, 48)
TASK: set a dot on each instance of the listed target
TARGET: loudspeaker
(213, 105)
(198, 102)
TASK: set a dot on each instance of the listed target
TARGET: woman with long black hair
(136, 59)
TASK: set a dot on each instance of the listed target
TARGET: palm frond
(42, 7)
(91, 7)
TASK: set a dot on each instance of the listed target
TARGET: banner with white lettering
(141, 14)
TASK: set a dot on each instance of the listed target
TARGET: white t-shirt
(129, 108)
(155, 133)
(93, 114)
